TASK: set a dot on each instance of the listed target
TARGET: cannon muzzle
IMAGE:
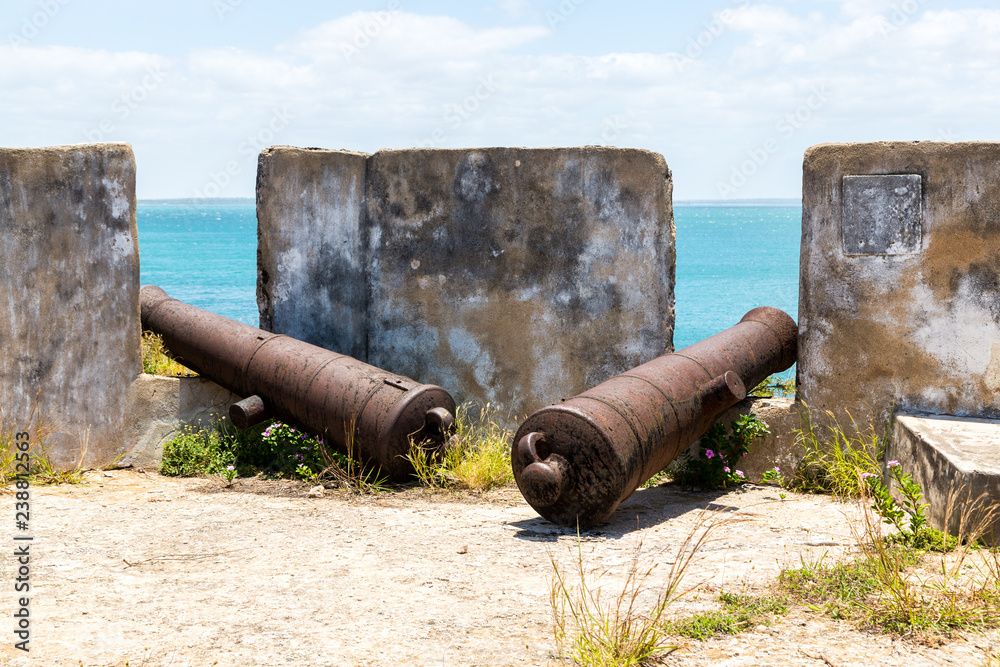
(575, 461)
(361, 410)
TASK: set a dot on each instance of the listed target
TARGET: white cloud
(59, 87)
(515, 8)
(402, 37)
(766, 20)
(237, 70)
(384, 79)
(855, 9)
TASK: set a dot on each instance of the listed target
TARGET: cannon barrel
(575, 461)
(361, 410)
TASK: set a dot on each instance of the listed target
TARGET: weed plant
(274, 449)
(835, 460)
(627, 627)
(882, 590)
(773, 476)
(718, 454)
(344, 470)
(477, 457)
(156, 360)
(908, 517)
(253, 452)
(664, 475)
(738, 613)
(893, 585)
(296, 452)
(41, 470)
(197, 451)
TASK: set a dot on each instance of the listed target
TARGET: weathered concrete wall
(519, 276)
(900, 278)
(69, 296)
(512, 276)
(311, 249)
(159, 407)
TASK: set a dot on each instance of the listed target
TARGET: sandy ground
(156, 571)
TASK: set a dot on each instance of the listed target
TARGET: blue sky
(731, 92)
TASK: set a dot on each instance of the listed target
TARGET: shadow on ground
(643, 509)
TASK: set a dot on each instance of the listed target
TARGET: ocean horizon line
(250, 201)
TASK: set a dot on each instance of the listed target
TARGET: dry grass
(835, 457)
(346, 472)
(900, 590)
(476, 458)
(156, 360)
(39, 426)
(627, 626)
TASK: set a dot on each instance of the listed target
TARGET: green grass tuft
(156, 360)
(477, 457)
(738, 613)
(42, 471)
(197, 451)
(835, 459)
(625, 628)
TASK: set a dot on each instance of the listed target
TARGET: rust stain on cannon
(577, 460)
(350, 404)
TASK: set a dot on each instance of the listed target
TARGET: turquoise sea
(730, 258)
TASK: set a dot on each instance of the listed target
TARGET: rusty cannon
(361, 410)
(575, 461)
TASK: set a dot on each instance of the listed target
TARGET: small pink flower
(866, 475)
(726, 468)
(709, 453)
(893, 464)
(777, 469)
(739, 473)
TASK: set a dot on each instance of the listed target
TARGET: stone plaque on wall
(882, 214)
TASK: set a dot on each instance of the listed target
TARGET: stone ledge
(160, 406)
(956, 461)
